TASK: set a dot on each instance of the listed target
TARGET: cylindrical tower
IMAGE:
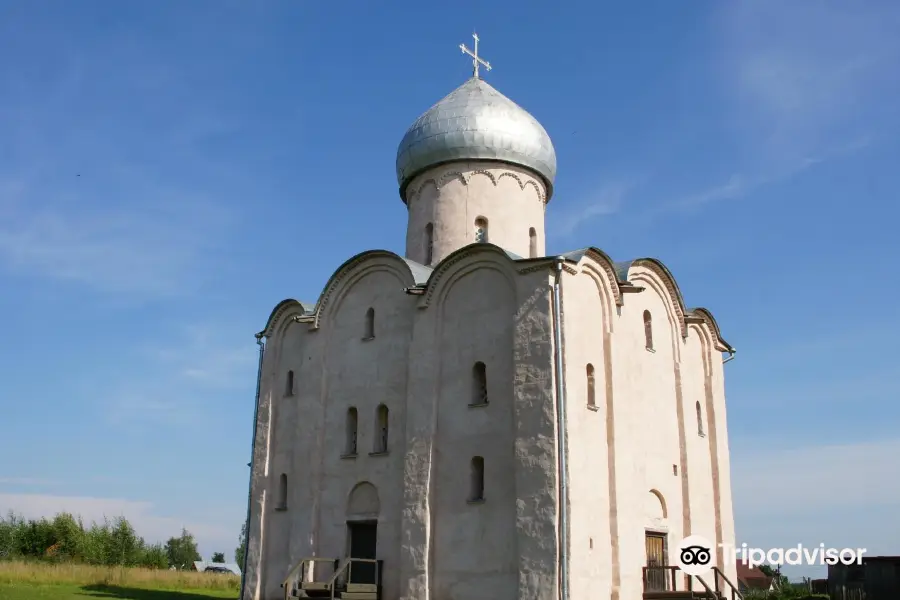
(475, 167)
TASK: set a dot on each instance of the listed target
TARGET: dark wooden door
(657, 578)
(363, 544)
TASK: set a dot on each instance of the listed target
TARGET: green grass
(68, 581)
(38, 591)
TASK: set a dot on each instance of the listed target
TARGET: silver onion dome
(475, 121)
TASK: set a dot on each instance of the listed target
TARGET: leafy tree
(94, 547)
(242, 547)
(124, 546)
(68, 533)
(10, 527)
(218, 557)
(182, 551)
(35, 537)
(155, 557)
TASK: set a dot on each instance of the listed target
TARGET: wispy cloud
(137, 251)
(26, 481)
(607, 199)
(809, 74)
(740, 185)
(209, 356)
(805, 84)
(809, 82)
(180, 381)
(784, 496)
(791, 480)
(103, 189)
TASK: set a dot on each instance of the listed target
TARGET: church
(477, 419)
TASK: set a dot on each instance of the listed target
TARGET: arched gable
(353, 269)
(284, 310)
(410, 273)
(704, 316)
(465, 259)
(672, 292)
(599, 267)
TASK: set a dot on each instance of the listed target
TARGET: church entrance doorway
(656, 575)
(363, 544)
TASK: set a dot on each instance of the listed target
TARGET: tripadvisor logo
(695, 555)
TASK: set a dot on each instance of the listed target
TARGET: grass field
(38, 581)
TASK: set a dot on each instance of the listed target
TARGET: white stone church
(484, 420)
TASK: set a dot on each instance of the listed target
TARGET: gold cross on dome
(476, 60)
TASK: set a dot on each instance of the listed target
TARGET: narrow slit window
(476, 491)
(429, 243)
(479, 384)
(352, 431)
(532, 243)
(369, 333)
(481, 229)
(381, 429)
(648, 330)
(282, 491)
(700, 431)
(289, 384)
(591, 394)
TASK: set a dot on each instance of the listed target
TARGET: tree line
(65, 538)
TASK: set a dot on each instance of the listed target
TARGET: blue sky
(169, 171)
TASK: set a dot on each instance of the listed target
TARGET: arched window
(352, 430)
(381, 429)
(648, 330)
(481, 229)
(591, 394)
(532, 243)
(282, 492)
(479, 384)
(700, 431)
(476, 481)
(289, 384)
(370, 324)
(429, 243)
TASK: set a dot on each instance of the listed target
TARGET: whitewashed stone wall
(637, 461)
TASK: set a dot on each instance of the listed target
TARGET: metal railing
(665, 579)
(307, 579)
(338, 580)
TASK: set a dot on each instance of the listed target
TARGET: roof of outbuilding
(202, 565)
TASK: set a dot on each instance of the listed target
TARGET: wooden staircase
(661, 583)
(329, 578)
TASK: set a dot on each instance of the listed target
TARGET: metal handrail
(290, 576)
(712, 593)
(348, 567)
(300, 566)
(735, 592)
(340, 569)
